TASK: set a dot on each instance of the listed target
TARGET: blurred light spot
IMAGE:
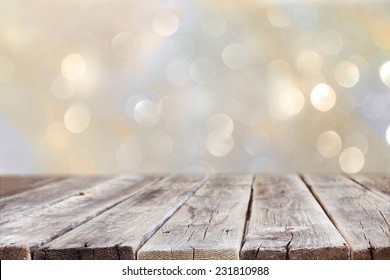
(279, 73)
(385, 73)
(220, 125)
(73, 66)
(388, 135)
(346, 74)
(146, 113)
(278, 17)
(177, 72)
(81, 161)
(330, 42)
(351, 160)
(203, 71)
(308, 63)
(357, 140)
(219, 147)
(132, 102)
(57, 136)
(329, 144)
(7, 69)
(181, 45)
(128, 156)
(124, 44)
(213, 25)
(62, 88)
(165, 23)
(77, 118)
(160, 144)
(286, 103)
(323, 97)
(219, 141)
(235, 56)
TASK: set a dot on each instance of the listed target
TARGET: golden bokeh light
(351, 160)
(323, 97)
(73, 66)
(194, 86)
(385, 73)
(77, 118)
(329, 144)
(346, 74)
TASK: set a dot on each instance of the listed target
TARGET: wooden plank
(13, 184)
(40, 227)
(286, 222)
(18, 205)
(210, 225)
(125, 228)
(378, 183)
(362, 217)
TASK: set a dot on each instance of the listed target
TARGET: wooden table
(195, 217)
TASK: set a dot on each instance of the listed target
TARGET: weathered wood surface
(40, 227)
(378, 183)
(192, 217)
(286, 222)
(18, 205)
(210, 225)
(362, 217)
(125, 228)
(10, 185)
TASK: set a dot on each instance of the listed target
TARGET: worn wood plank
(18, 205)
(286, 222)
(126, 227)
(40, 227)
(13, 184)
(362, 217)
(377, 183)
(210, 225)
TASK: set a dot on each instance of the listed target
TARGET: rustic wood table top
(327, 216)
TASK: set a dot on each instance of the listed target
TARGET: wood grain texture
(18, 205)
(378, 183)
(362, 217)
(286, 222)
(40, 227)
(13, 184)
(210, 225)
(125, 228)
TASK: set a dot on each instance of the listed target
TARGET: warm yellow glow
(351, 160)
(385, 73)
(309, 63)
(323, 97)
(346, 74)
(73, 66)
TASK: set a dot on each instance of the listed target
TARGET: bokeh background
(116, 86)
